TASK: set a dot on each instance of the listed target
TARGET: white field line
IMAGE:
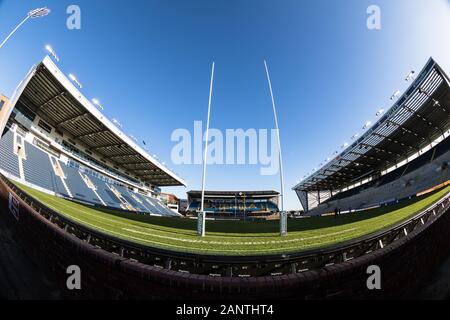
(165, 244)
(244, 243)
(126, 226)
(112, 222)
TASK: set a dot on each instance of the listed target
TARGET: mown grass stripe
(236, 237)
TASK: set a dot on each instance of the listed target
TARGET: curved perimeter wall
(404, 264)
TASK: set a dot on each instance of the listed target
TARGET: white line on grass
(165, 244)
(247, 242)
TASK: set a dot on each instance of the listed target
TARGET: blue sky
(149, 64)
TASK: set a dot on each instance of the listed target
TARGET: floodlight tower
(36, 13)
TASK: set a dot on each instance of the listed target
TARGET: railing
(100, 168)
(238, 266)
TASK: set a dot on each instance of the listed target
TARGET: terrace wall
(405, 265)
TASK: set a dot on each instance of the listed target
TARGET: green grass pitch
(236, 237)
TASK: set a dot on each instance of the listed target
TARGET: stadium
(75, 189)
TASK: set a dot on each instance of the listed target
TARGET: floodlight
(367, 124)
(38, 13)
(97, 103)
(75, 80)
(410, 76)
(380, 112)
(116, 122)
(395, 95)
(52, 52)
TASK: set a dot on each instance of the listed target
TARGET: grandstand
(56, 141)
(239, 204)
(406, 152)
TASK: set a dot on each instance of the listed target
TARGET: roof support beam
(110, 145)
(383, 150)
(81, 136)
(396, 142)
(72, 119)
(408, 130)
(154, 177)
(55, 97)
(136, 163)
(122, 155)
(146, 170)
(358, 154)
(428, 122)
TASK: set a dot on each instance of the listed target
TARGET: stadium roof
(268, 193)
(55, 97)
(417, 118)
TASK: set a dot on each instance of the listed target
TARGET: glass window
(44, 126)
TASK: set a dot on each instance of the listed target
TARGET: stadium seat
(38, 169)
(9, 161)
(421, 173)
(76, 184)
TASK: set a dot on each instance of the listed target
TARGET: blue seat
(37, 168)
(9, 161)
